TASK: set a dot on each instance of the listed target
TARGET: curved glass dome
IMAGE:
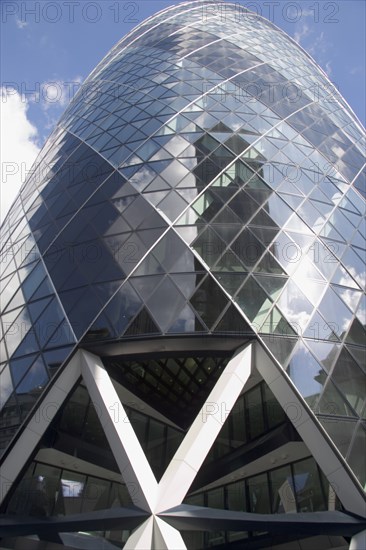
(202, 184)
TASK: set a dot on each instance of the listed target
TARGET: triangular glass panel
(36, 308)
(53, 359)
(209, 246)
(254, 302)
(269, 265)
(307, 374)
(171, 252)
(122, 308)
(221, 127)
(271, 284)
(356, 334)
(187, 282)
(280, 347)
(29, 344)
(350, 297)
(350, 380)
(227, 232)
(17, 301)
(34, 380)
(340, 431)
(233, 322)
(44, 289)
(230, 281)
(20, 366)
(332, 403)
(325, 352)
(263, 219)
(155, 197)
(209, 301)
(162, 154)
(342, 277)
(227, 216)
(145, 285)
(277, 324)
(333, 308)
(142, 324)
(236, 144)
(158, 184)
(293, 201)
(186, 322)
(172, 205)
(230, 262)
(165, 292)
(100, 330)
(319, 329)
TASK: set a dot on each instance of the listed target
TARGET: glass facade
(205, 188)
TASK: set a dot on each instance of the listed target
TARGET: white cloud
(302, 32)
(54, 96)
(18, 146)
(58, 93)
(328, 68)
(319, 45)
(20, 24)
(356, 70)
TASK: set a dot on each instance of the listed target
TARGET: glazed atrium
(183, 317)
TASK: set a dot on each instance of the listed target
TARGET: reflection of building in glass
(183, 320)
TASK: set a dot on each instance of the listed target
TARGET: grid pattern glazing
(206, 164)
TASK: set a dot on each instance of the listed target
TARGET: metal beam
(101, 520)
(197, 518)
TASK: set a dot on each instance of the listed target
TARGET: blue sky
(48, 48)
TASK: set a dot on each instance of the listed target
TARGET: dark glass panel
(340, 431)
(307, 374)
(81, 306)
(19, 367)
(166, 294)
(307, 486)
(209, 301)
(187, 321)
(34, 381)
(273, 410)
(253, 301)
(357, 453)
(332, 403)
(254, 408)
(258, 492)
(282, 494)
(33, 281)
(142, 324)
(350, 379)
(248, 248)
(356, 333)
(232, 321)
(238, 425)
(335, 312)
(280, 347)
(122, 308)
(209, 246)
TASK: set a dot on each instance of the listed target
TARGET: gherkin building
(183, 316)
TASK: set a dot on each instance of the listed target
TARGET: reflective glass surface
(186, 192)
